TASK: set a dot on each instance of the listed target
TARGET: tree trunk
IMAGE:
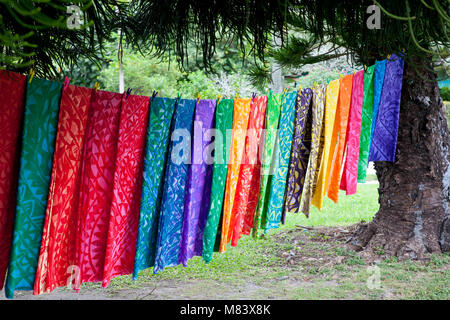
(414, 194)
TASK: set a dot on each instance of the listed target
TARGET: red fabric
(99, 159)
(247, 189)
(59, 234)
(350, 172)
(12, 90)
(124, 218)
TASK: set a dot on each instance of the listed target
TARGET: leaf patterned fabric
(270, 134)
(157, 143)
(38, 142)
(384, 141)
(332, 93)
(318, 106)
(57, 250)
(224, 123)
(281, 163)
(197, 201)
(172, 206)
(380, 69)
(97, 181)
(124, 214)
(339, 139)
(366, 123)
(240, 123)
(247, 188)
(301, 146)
(12, 91)
(350, 171)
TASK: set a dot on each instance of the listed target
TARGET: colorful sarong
(12, 91)
(57, 253)
(155, 158)
(172, 206)
(224, 123)
(332, 94)
(281, 161)
(124, 216)
(350, 171)
(380, 69)
(38, 142)
(366, 124)
(247, 188)
(301, 146)
(240, 123)
(318, 106)
(339, 140)
(198, 187)
(384, 141)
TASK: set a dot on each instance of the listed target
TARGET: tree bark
(414, 194)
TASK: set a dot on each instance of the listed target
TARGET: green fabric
(272, 119)
(38, 142)
(366, 123)
(224, 123)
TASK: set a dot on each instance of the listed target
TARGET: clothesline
(99, 184)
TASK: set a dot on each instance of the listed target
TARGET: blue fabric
(380, 68)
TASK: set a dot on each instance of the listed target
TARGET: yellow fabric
(331, 98)
(240, 122)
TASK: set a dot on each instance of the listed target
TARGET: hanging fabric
(332, 93)
(96, 186)
(350, 171)
(380, 69)
(247, 188)
(155, 158)
(318, 106)
(198, 187)
(124, 214)
(57, 250)
(172, 205)
(384, 142)
(301, 146)
(281, 162)
(12, 91)
(339, 140)
(240, 123)
(38, 142)
(271, 126)
(366, 123)
(224, 124)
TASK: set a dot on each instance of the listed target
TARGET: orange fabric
(338, 141)
(240, 123)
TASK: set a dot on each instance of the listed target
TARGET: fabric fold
(12, 95)
(38, 142)
(57, 250)
(380, 70)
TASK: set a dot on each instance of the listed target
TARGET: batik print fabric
(271, 126)
(124, 214)
(155, 158)
(57, 250)
(247, 188)
(350, 171)
(12, 91)
(380, 70)
(301, 146)
(198, 188)
(339, 140)
(96, 185)
(38, 142)
(281, 162)
(384, 140)
(172, 206)
(332, 93)
(318, 106)
(240, 123)
(223, 124)
(366, 124)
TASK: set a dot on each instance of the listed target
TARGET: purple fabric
(196, 204)
(384, 141)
